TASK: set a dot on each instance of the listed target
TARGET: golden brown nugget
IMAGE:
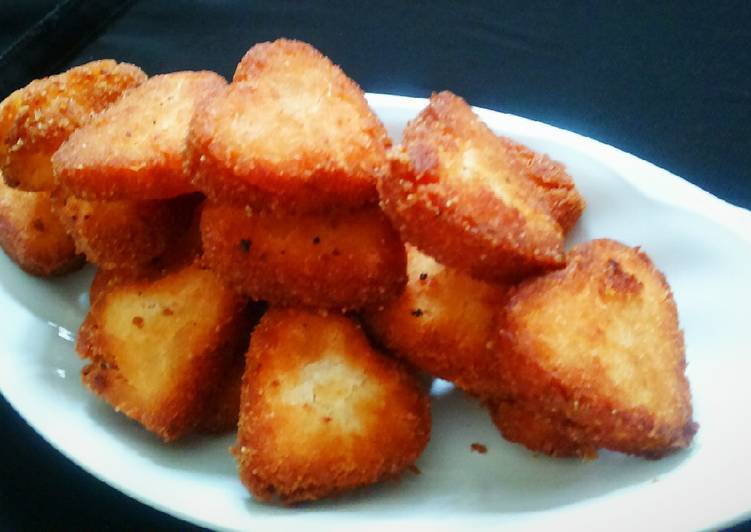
(135, 149)
(32, 235)
(527, 423)
(336, 260)
(159, 348)
(599, 342)
(36, 119)
(443, 323)
(559, 193)
(456, 193)
(125, 234)
(222, 404)
(292, 132)
(321, 411)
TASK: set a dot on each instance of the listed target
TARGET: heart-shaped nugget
(321, 411)
(597, 348)
(162, 345)
(292, 132)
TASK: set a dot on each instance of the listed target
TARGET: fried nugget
(292, 132)
(125, 234)
(336, 260)
(36, 119)
(135, 149)
(599, 343)
(527, 423)
(159, 349)
(321, 411)
(222, 405)
(555, 185)
(32, 235)
(443, 323)
(456, 193)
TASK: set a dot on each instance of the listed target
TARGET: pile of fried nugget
(268, 262)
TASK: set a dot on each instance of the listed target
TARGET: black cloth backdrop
(667, 81)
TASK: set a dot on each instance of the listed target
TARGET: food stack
(288, 156)
(275, 208)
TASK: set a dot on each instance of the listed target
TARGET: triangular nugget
(292, 132)
(528, 423)
(136, 148)
(125, 234)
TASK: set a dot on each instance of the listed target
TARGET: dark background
(667, 81)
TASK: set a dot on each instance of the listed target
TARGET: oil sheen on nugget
(322, 412)
(599, 343)
(160, 347)
(443, 323)
(336, 260)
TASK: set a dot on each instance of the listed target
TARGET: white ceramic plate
(702, 244)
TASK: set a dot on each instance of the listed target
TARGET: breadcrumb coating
(36, 119)
(456, 193)
(337, 260)
(159, 349)
(291, 133)
(33, 236)
(135, 149)
(558, 191)
(321, 411)
(599, 343)
(443, 323)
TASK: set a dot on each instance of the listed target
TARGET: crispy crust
(527, 423)
(36, 119)
(443, 323)
(32, 235)
(337, 260)
(456, 193)
(555, 185)
(614, 361)
(222, 405)
(160, 349)
(292, 132)
(322, 412)
(179, 253)
(135, 149)
(125, 234)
